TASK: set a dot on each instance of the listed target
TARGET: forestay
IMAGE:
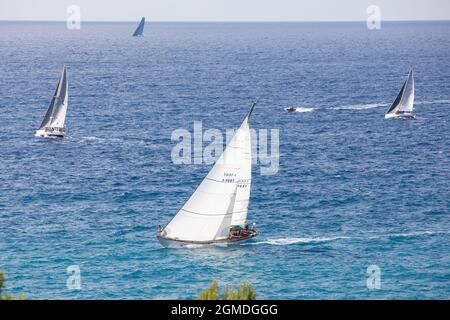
(221, 200)
(405, 99)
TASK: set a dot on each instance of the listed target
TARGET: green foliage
(8, 296)
(212, 293)
(244, 292)
(2, 281)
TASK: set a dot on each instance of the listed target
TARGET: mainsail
(56, 113)
(140, 29)
(221, 200)
(405, 100)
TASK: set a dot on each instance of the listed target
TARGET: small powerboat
(290, 109)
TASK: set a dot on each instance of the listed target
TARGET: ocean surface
(352, 190)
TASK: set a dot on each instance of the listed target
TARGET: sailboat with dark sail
(53, 123)
(216, 213)
(404, 103)
(140, 29)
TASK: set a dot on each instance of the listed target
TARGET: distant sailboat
(140, 29)
(217, 211)
(403, 105)
(53, 123)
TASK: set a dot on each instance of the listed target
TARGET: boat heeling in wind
(53, 123)
(140, 29)
(404, 103)
(217, 210)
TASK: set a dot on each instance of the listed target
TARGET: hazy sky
(224, 10)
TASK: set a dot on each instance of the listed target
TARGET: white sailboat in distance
(140, 29)
(404, 103)
(53, 123)
(217, 210)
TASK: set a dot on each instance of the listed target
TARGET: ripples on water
(353, 189)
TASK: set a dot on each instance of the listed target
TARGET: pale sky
(225, 10)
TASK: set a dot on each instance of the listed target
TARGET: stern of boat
(237, 236)
(405, 116)
(49, 134)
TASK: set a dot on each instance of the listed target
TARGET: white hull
(406, 115)
(48, 134)
(178, 244)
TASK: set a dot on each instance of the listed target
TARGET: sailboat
(216, 213)
(403, 104)
(140, 29)
(53, 123)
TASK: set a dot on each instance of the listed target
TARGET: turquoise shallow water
(353, 189)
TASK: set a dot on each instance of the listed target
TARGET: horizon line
(229, 21)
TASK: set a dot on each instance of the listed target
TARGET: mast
(222, 198)
(239, 216)
(407, 102)
(60, 109)
(49, 115)
(405, 99)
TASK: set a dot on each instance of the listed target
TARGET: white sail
(404, 102)
(56, 113)
(59, 114)
(221, 199)
(407, 102)
(239, 217)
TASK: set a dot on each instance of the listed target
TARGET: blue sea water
(353, 189)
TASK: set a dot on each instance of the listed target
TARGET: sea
(358, 208)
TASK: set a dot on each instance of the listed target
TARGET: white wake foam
(100, 140)
(432, 102)
(91, 138)
(414, 234)
(360, 106)
(288, 241)
(296, 240)
(384, 105)
(302, 109)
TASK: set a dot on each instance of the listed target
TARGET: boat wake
(360, 106)
(289, 241)
(384, 105)
(422, 103)
(410, 234)
(298, 240)
(300, 109)
(93, 139)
